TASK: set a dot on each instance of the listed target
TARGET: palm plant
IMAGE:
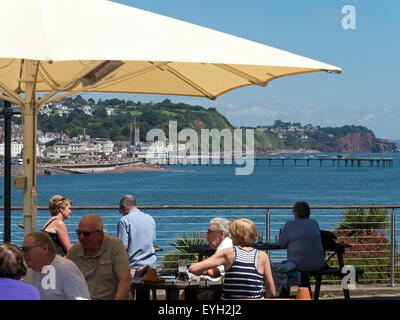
(183, 250)
(361, 220)
(365, 229)
(184, 243)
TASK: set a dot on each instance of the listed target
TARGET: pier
(336, 161)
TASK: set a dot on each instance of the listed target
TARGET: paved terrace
(335, 292)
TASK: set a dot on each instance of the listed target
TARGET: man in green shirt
(102, 260)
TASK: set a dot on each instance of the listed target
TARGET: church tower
(134, 134)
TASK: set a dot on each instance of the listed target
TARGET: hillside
(112, 119)
(117, 126)
(354, 139)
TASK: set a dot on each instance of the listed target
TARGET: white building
(87, 110)
(110, 111)
(103, 146)
(16, 149)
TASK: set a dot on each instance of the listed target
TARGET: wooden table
(172, 288)
(338, 249)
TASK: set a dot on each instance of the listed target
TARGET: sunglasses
(25, 249)
(211, 231)
(85, 233)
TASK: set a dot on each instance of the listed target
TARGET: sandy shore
(138, 168)
(142, 167)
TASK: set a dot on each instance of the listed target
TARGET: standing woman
(60, 209)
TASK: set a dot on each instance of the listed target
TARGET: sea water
(218, 185)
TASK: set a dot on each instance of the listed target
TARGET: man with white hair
(218, 238)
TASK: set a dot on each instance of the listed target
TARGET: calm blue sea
(218, 185)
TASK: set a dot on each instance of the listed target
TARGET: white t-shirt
(60, 280)
(226, 243)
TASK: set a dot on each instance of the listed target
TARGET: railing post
(393, 249)
(267, 227)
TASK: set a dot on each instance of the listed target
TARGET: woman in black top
(60, 208)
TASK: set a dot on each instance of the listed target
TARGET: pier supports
(354, 161)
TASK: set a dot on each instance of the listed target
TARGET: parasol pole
(29, 111)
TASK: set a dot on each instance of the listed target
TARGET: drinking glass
(182, 266)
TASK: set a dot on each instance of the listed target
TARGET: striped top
(242, 280)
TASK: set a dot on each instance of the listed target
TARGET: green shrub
(183, 250)
(365, 230)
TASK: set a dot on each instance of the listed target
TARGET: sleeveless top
(242, 280)
(54, 236)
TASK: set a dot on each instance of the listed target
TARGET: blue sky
(366, 93)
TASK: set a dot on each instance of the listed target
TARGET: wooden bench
(327, 271)
(337, 249)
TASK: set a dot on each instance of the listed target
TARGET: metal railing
(375, 253)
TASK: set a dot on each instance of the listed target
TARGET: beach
(142, 167)
(54, 169)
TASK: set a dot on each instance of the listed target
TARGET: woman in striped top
(246, 268)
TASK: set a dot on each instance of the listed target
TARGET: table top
(138, 282)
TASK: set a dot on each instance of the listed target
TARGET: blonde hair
(243, 232)
(58, 202)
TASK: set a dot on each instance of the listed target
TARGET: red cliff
(356, 143)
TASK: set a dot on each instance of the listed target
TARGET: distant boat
(91, 167)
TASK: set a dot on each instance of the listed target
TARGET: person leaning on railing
(245, 267)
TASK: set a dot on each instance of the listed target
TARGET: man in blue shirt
(137, 230)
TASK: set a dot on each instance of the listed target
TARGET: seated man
(102, 260)
(302, 238)
(56, 278)
(218, 239)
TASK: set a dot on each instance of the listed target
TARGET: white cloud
(375, 116)
(256, 111)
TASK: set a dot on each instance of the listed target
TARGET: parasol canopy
(63, 47)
